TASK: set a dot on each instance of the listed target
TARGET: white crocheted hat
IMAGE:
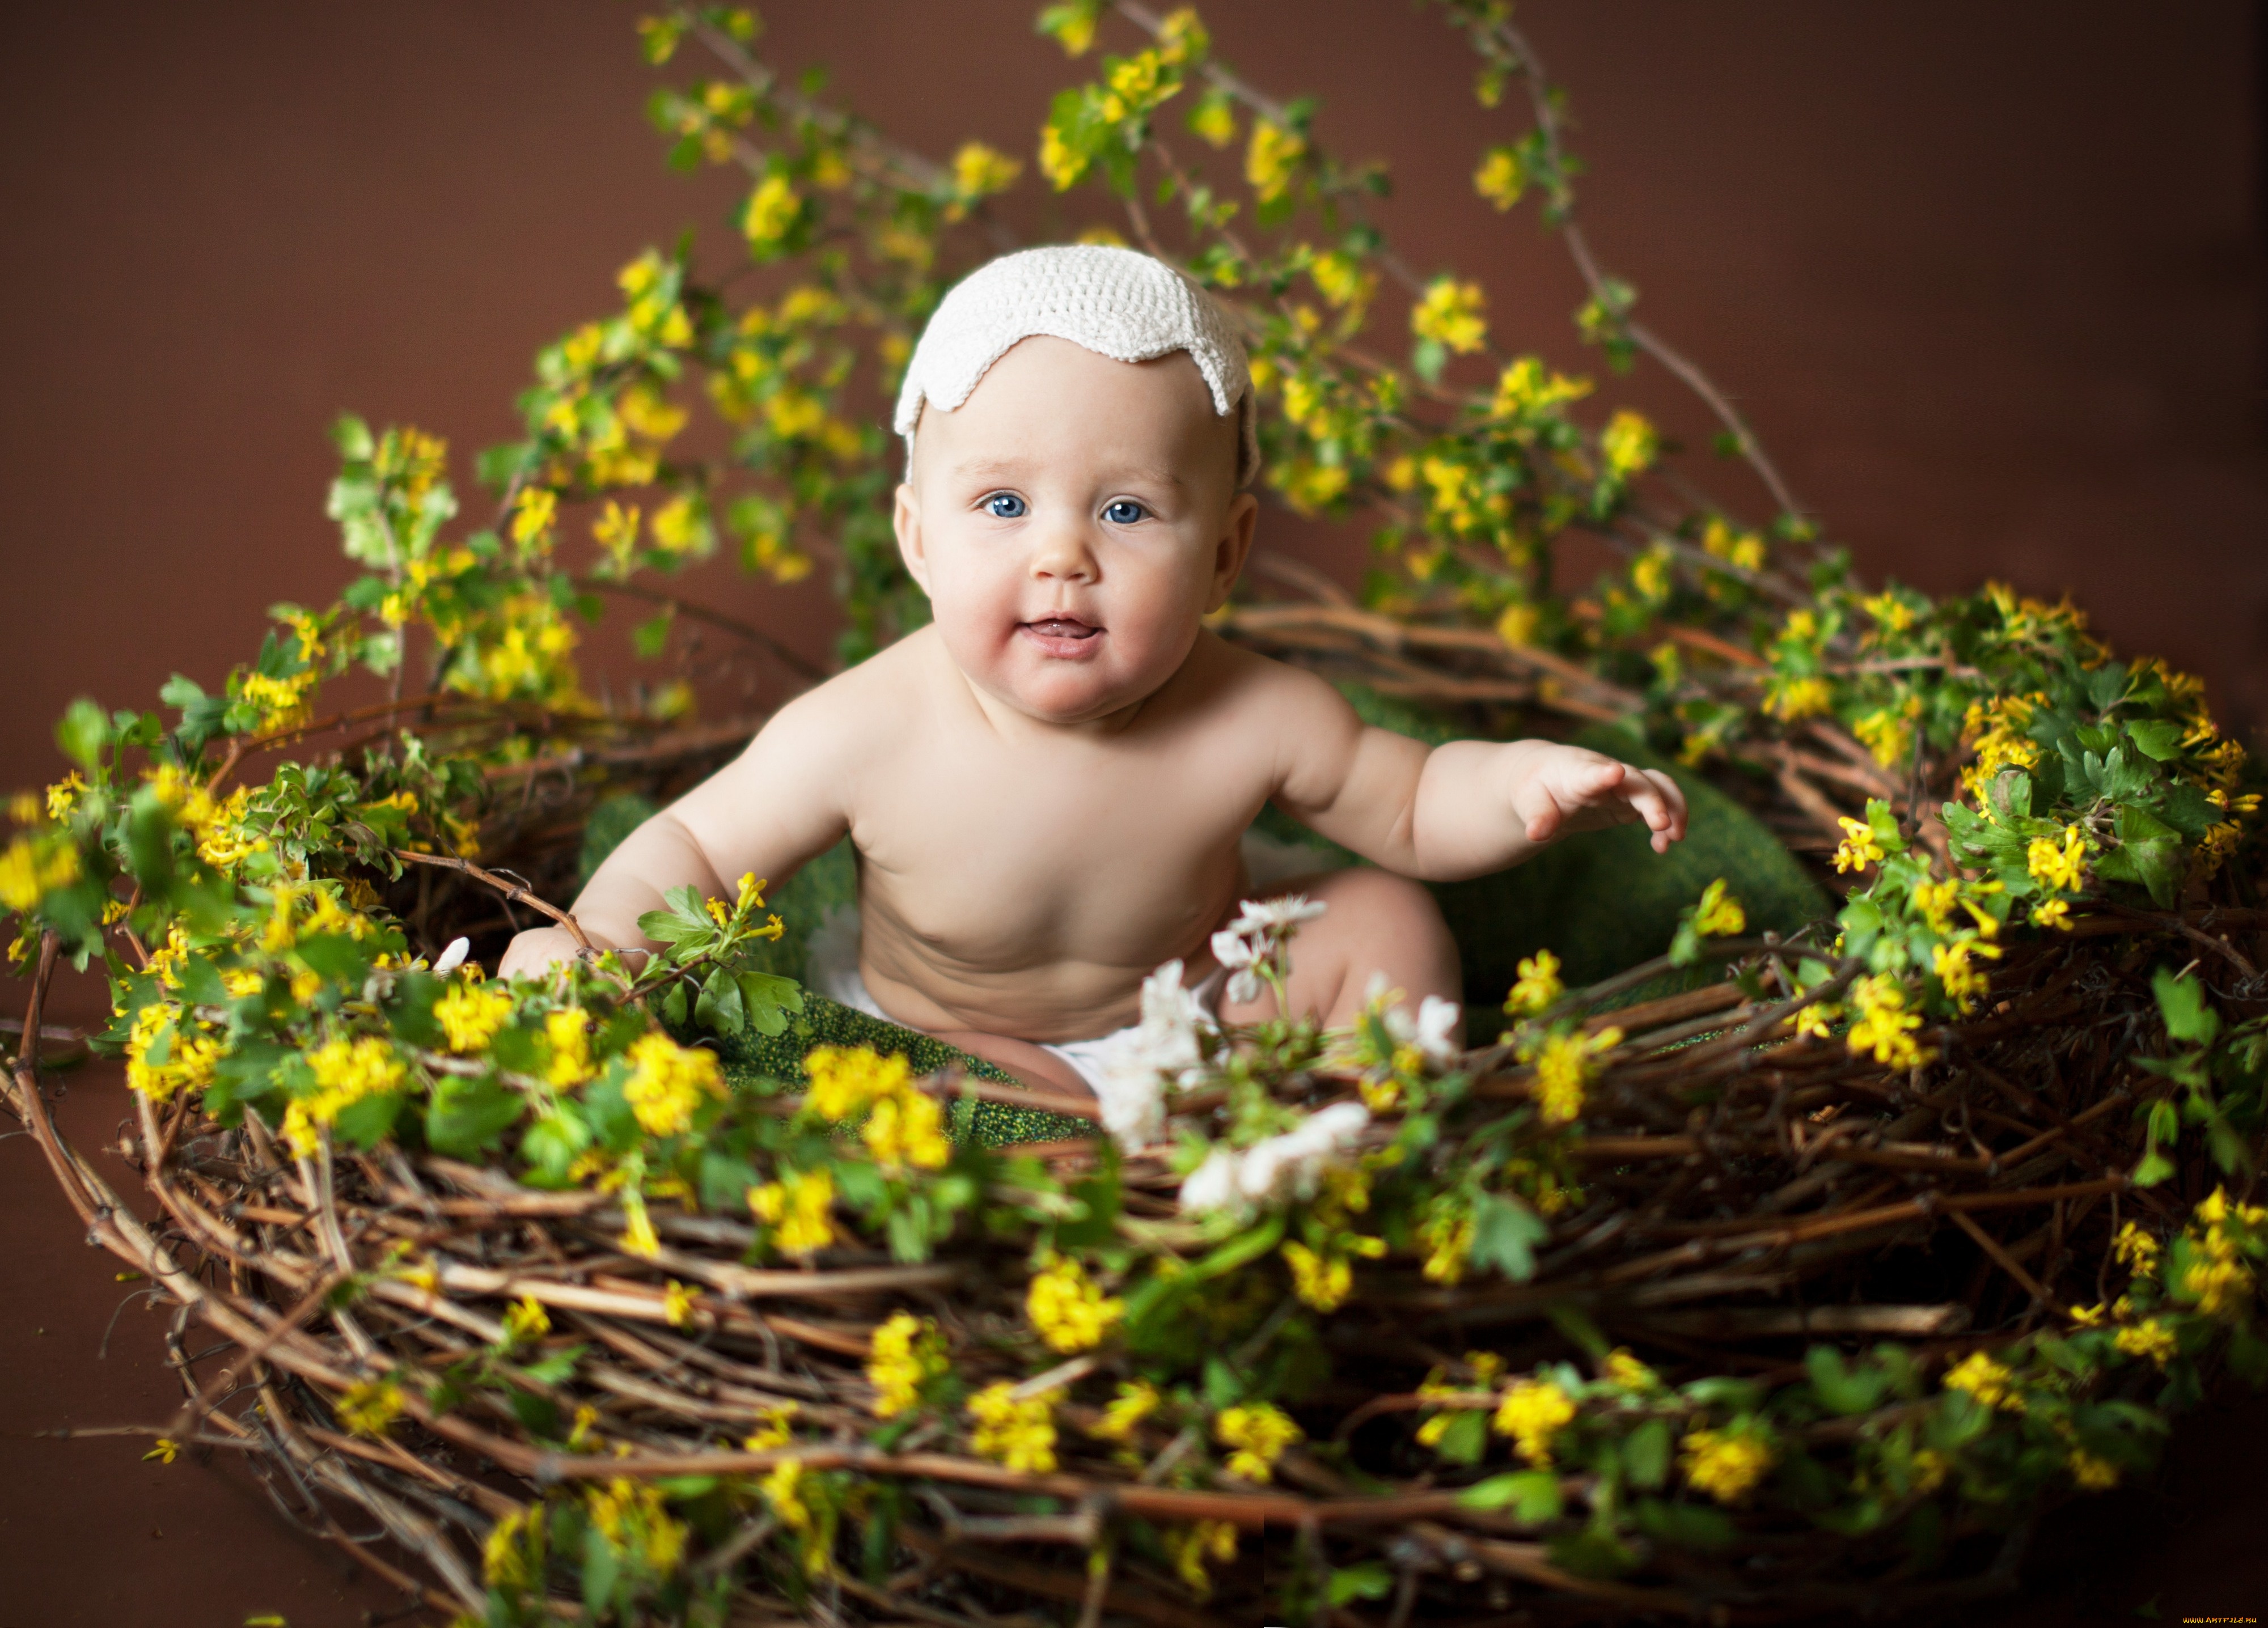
(1118, 302)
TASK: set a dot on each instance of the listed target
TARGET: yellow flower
(1883, 1025)
(1136, 1401)
(1742, 550)
(166, 1450)
(2055, 913)
(797, 1208)
(571, 1047)
(1718, 915)
(526, 1320)
(1891, 614)
(1989, 1382)
(1861, 847)
(346, 1072)
(533, 516)
(2148, 1339)
(1963, 983)
(771, 213)
(1629, 445)
(979, 171)
(1517, 625)
(1213, 121)
(470, 1013)
(1450, 315)
(775, 1428)
(368, 1406)
(1538, 986)
(1019, 1432)
(2063, 868)
(1068, 1307)
(1258, 1432)
(1565, 1064)
(1627, 1371)
(1502, 177)
(633, 1518)
(1060, 162)
(907, 1129)
(667, 1083)
(1448, 1239)
(676, 1304)
(1526, 389)
(792, 1504)
(2093, 1473)
(1887, 735)
(1190, 1547)
(1794, 700)
(1271, 160)
(2136, 1250)
(846, 1079)
(28, 871)
(1727, 1464)
(908, 1353)
(638, 1236)
(1533, 1412)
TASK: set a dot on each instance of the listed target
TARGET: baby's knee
(1378, 900)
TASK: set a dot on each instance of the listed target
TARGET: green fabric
(1601, 902)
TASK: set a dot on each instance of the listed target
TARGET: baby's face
(1070, 521)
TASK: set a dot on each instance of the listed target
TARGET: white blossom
(1163, 1049)
(1284, 1166)
(453, 957)
(1240, 955)
(1276, 918)
(1212, 1185)
(1432, 1030)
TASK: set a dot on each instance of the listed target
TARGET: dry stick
(511, 890)
(2001, 1258)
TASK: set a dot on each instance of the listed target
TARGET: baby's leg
(1035, 1067)
(1376, 921)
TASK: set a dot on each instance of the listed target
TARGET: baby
(1046, 786)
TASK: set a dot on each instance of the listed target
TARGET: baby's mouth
(1063, 627)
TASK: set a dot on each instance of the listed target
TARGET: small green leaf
(1646, 1454)
(83, 732)
(1505, 1232)
(2182, 1004)
(1532, 1495)
(1369, 1581)
(2157, 738)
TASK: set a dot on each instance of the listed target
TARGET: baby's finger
(1538, 811)
(1675, 795)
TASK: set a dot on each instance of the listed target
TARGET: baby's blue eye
(1126, 512)
(1004, 506)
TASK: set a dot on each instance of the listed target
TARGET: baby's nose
(1063, 552)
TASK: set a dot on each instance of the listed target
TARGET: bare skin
(1046, 787)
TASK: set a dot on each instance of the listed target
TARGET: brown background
(1987, 279)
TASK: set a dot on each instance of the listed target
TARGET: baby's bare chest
(995, 855)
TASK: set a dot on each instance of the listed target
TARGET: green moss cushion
(1601, 902)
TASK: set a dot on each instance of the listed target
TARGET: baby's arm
(1463, 809)
(775, 806)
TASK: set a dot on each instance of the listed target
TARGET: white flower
(1162, 1049)
(1433, 1029)
(1240, 955)
(1212, 1185)
(1276, 918)
(452, 957)
(1280, 1167)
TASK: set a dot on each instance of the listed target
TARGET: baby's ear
(1232, 550)
(905, 519)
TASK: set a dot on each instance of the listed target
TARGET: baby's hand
(536, 949)
(1558, 789)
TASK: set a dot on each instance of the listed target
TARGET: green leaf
(1592, 1554)
(1465, 1440)
(466, 1117)
(2182, 1004)
(1646, 1454)
(2154, 1169)
(720, 1007)
(1369, 1581)
(1532, 1495)
(2155, 850)
(1842, 1390)
(1246, 1246)
(2157, 738)
(770, 998)
(82, 733)
(650, 638)
(1687, 1526)
(1505, 1232)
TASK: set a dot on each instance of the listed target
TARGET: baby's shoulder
(1246, 693)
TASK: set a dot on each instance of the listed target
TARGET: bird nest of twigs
(1742, 1318)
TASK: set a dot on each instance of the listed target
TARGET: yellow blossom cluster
(1449, 315)
(347, 1071)
(1995, 728)
(1883, 1025)
(1448, 1235)
(1068, 1307)
(2216, 1274)
(471, 1014)
(1537, 987)
(1860, 847)
(1136, 1401)
(1629, 445)
(187, 1059)
(1017, 1431)
(2063, 868)
(799, 1507)
(1190, 1547)
(1256, 1432)
(669, 1083)
(907, 1353)
(1727, 1464)
(633, 1518)
(1456, 1399)
(1531, 1414)
(904, 1126)
(1991, 1382)
(1718, 915)
(1272, 159)
(31, 868)
(797, 1208)
(1565, 1064)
